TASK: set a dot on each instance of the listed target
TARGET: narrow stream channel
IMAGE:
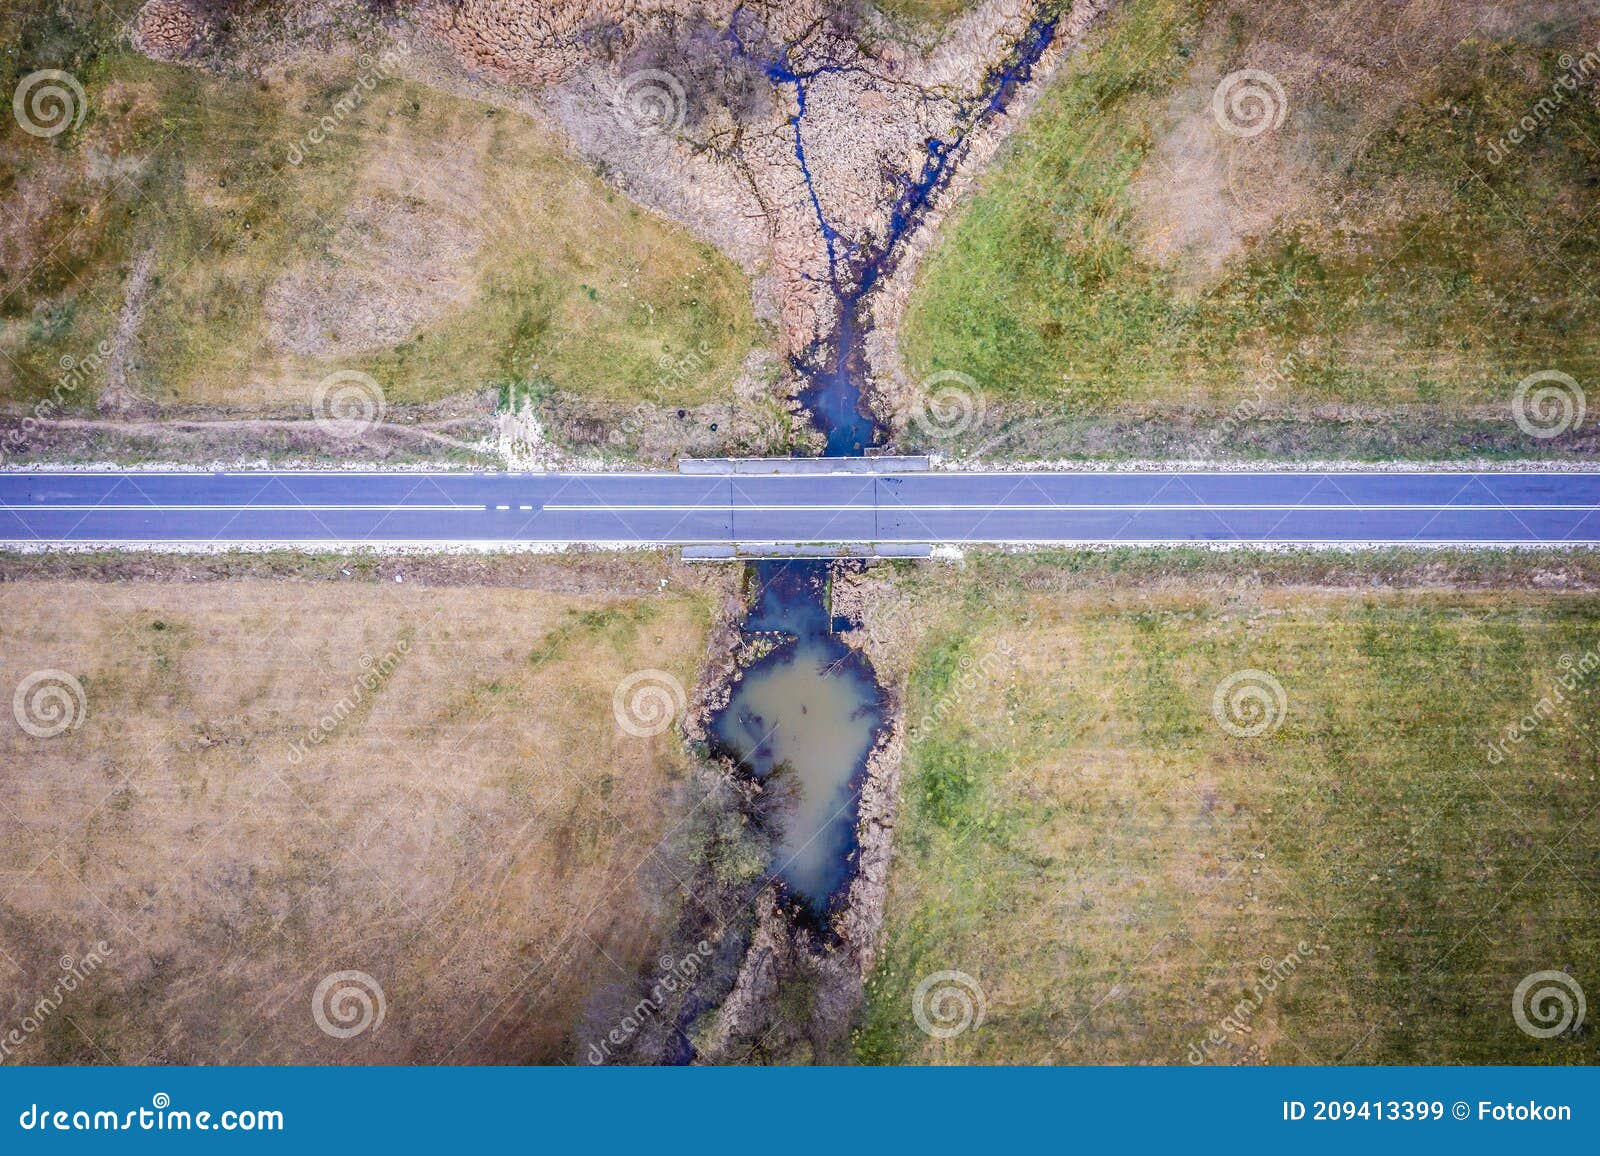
(805, 718)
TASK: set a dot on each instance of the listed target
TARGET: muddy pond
(803, 721)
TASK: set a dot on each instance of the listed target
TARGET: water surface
(803, 722)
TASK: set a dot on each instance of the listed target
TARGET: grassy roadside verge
(440, 245)
(1127, 258)
(1120, 875)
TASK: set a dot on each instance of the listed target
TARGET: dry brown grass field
(473, 830)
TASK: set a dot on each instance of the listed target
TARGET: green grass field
(1121, 876)
(926, 12)
(1124, 254)
(437, 243)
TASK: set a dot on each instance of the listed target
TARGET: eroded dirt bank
(813, 142)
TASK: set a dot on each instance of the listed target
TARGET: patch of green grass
(1117, 871)
(535, 276)
(927, 13)
(618, 626)
(1405, 267)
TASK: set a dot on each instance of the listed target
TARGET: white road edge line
(427, 544)
(38, 507)
(1073, 506)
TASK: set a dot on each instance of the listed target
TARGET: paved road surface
(675, 509)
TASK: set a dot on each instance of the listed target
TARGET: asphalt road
(676, 509)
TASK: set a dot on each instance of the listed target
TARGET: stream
(806, 717)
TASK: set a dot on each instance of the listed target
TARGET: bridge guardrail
(886, 464)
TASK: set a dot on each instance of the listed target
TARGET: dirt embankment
(782, 133)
